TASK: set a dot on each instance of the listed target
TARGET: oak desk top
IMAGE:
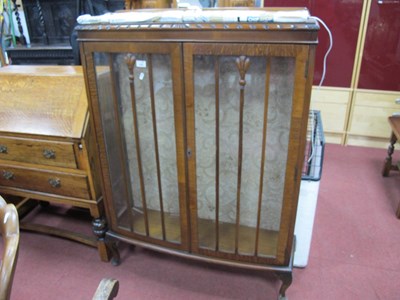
(43, 100)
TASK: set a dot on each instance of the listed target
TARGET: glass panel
(277, 146)
(128, 100)
(229, 127)
(253, 122)
(116, 169)
(146, 143)
(164, 110)
(204, 80)
(217, 159)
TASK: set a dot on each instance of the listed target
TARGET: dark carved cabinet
(201, 130)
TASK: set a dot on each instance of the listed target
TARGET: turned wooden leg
(387, 166)
(107, 247)
(286, 278)
(112, 245)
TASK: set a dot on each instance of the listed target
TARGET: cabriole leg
(286, 278)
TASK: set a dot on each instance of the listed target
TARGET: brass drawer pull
(3, 149)
(8, 175)
(55, 182)
(49, 154)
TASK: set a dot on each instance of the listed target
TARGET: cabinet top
(43, 100)
(279, 25)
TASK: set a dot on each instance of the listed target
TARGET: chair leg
(107, 289)
(387, 166)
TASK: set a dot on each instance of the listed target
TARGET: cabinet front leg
(107, 249)
(286, 278)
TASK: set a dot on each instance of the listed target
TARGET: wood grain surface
(25, 90)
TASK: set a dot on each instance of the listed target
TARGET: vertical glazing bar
(154, 117)
(216, 76)
(121, 142)
(130, 61)
(260, 193)
(242, 64)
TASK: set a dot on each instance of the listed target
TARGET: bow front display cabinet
(201, 128)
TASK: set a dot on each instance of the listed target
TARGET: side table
(394, 122)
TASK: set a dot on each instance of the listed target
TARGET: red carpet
(355, 252)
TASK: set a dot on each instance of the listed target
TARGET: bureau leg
(387, 166)
(286, 278)
(112, 245)
(99, 229)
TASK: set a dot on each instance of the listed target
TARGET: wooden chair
(394, 122)
(9, 229)
(107, 289)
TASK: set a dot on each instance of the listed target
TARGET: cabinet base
(283, 273)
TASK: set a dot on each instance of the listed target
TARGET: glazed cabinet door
(137, 104)
(246, 119)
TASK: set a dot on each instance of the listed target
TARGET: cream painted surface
(334, 106)
(377, 98)
(367, 119)
(365, 141)
(369, 116)
(333, 138)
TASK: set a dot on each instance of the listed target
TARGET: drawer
(60, 154)
(70, 183)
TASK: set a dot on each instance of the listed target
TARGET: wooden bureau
(47, 151)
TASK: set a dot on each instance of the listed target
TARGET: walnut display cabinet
(201, 129)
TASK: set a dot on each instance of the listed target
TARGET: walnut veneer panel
(61, 91)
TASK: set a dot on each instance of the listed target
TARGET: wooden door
(247, 108)
(136, 100)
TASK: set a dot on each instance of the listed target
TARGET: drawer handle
(55, 182)
(8, 175)
(49, 154)
(3, 149)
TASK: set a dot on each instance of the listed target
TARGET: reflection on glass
(217, 113)
(142, 132)
(108, 119)
(218, 3)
